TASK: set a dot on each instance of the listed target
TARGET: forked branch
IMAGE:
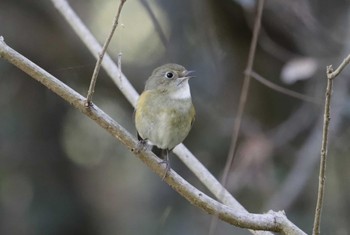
(331, 75)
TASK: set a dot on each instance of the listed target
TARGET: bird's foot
(166, 161)
(141, 146)
(167, 168)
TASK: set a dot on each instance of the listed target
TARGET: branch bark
(331, 75)
(271, 221)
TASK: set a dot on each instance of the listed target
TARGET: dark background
(62, 174)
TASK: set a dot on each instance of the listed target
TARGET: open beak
(187, 74)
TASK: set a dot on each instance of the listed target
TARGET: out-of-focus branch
(282, 90)
(157, 26)
(102, 53)
(244, 94)
(272, 221)
(298, 121)
(241, 106)
(331, 75)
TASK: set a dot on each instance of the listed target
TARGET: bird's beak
(187, 74)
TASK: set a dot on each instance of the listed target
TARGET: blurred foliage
(61, 174)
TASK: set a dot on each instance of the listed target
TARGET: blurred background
(62, 174)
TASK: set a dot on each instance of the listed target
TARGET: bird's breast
(163, 120)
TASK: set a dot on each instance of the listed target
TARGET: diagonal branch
(128, 90)
(282, 90)
(272, 221)
(94, 47)
(100, 55)
(157, 26)
(130, 93)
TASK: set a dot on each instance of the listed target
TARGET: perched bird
(164, 112)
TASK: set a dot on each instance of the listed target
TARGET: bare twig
(94, 47)
(331, 75)
(321, 183)
(272, 221)
(244, 94)
(294, 184)
(282, 90)
(242, 102)
(100, 55)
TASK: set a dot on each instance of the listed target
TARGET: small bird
(164, 112)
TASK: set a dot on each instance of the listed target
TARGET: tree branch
(242, 102)
(272, 221)
(281, 89)
(130, 93)
(100, 55)
(94, 47)
(123, 84)
(244, 94)
(331, 75)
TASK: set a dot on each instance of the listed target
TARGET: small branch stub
(329, 72)
(333, 74)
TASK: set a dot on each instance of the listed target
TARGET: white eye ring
(169, 74)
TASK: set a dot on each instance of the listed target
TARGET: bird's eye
(169, 74)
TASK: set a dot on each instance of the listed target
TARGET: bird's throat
(182, 92)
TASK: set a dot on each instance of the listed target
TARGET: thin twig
(272, 221)
(331, 75)
(281, 89)
(242, 103)
(303, 167)
(94, 47)
(244, 93)
(321, 183)
(299, 175)
(100, 55)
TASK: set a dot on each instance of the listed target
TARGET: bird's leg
(142, 144)
(166, 161)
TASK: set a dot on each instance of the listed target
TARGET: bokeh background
(62, 174)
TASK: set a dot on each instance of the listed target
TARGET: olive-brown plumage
(164, 112)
